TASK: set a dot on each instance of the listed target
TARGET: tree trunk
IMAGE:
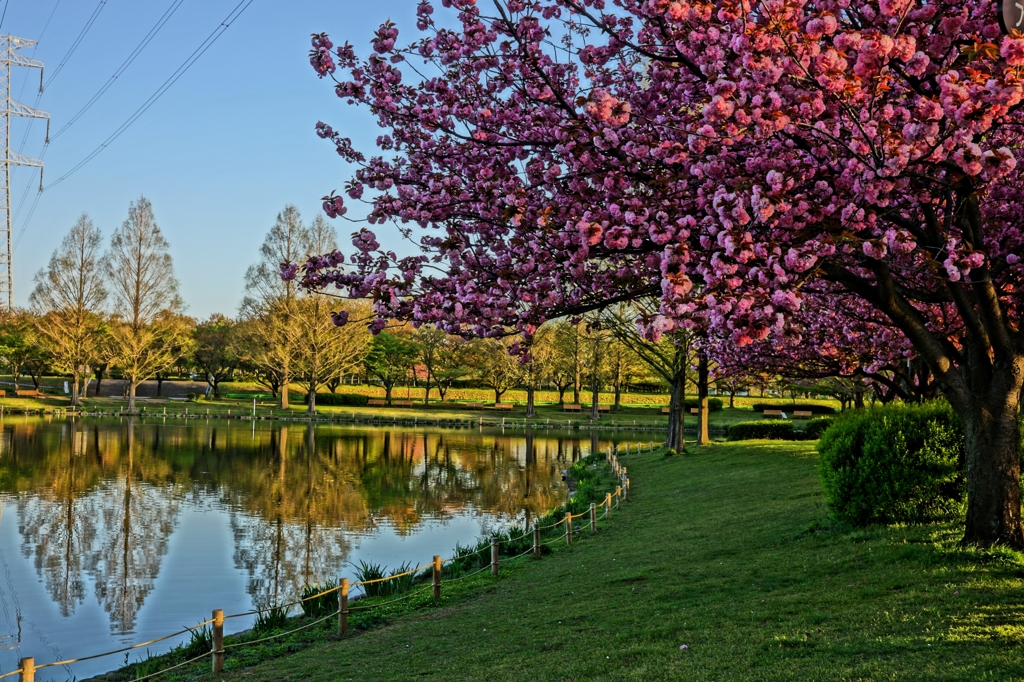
(16, 372)
(497, 396)
(676, 438)
(561, 394)
(311, 402)
(388, 385)
(618, 396)
(702, 400)
(426, 393)
(85, 387)
(131, 396)
(529, 401)
(285, 380)
(992, 438)
(595, 396)
(732, 398)
(159, 384)
(75, 379)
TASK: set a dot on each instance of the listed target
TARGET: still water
(120, 531)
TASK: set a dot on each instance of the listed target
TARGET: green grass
(728, 551)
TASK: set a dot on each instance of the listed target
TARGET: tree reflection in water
(99, 501)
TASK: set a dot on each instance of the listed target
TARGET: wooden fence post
(618, 496)
(28, 669)
(536, 537)
(608, 506)
(625, 488)
(494, 557)
(343, 607)
(437, 577)
(218, 641)
(568, 528)
(593, 517)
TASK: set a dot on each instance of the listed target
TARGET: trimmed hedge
(789, 408)
(714, 404)
(768, 429)
(815, 427)
(894, 464)
(342, 399)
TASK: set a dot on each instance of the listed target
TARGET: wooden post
(608, 506)
(568, 528)
(343, 607)
(625, 488)
(536, 537)
(618, 496)
(28, 669)
(593, 517)
(218, 641)
(437, 577)
(494, 557)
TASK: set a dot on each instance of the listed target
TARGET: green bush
(894, 464)
(714, 404)
(790, 408)
(774, 429)
(342, 399)
(815, 427)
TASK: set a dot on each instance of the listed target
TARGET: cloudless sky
(227, 146)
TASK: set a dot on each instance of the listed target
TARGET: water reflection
(98, 503)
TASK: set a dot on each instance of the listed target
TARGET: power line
(127, 62)
(171, 80)
(4, 16)
(78, 41)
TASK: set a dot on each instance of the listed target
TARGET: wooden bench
(503, 406)
(694, 410)
(604, 408)
(401, 403)
(802, 414)
(772, 414)
(3, 393)
(28, 393)
(666, 410)
(376, 402)
(572, 407)
(473, 406)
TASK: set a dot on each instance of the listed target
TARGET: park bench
(694, 410)
(772, 414)
(503, 406)
(401, 403)
(28, 393)
(572, 407)
(666, 410)
(803, 414)
(3, 393)
(376, 402)
(473, 406)
(604, 408)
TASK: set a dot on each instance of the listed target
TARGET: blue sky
(228, 145)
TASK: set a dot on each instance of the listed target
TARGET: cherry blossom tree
(558, 156)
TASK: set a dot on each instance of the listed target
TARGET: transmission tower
(9, 46)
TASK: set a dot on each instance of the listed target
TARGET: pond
(114, 532)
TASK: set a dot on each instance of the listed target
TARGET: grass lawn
(729, 552)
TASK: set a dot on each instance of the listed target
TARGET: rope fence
(27, 667)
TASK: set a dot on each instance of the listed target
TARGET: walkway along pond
(119, 531)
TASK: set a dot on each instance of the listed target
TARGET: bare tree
(69, 296)
(271, 335)
(146, 332)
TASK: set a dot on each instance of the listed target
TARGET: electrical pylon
(9, 46)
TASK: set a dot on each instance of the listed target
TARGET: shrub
(815, 427)
(895, 464)
(342, 399)
(789, 408)
(714, 404)
(769, 429)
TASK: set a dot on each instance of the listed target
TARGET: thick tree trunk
(732, 398)
(283, 385)
(426, 393)
(131, 396)
(497, 396)
(311, 402)
(703, 437)
(75, 379)
(529, 401)
(993, 469)
(618, 396)
(387, 392)
(561, 394)
(676, 438)
(595, 396)
(576, 393)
